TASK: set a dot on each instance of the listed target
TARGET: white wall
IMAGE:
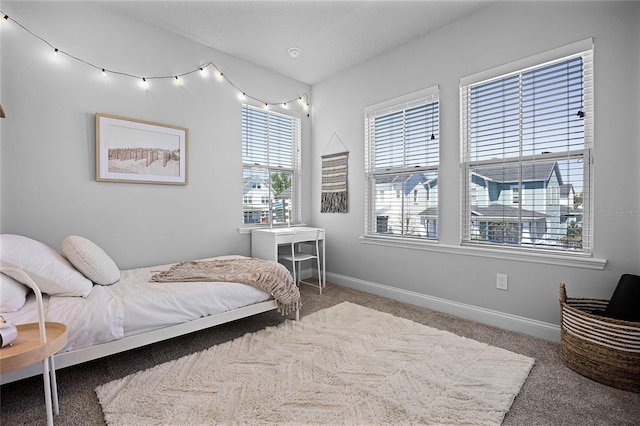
(502, 33)
(48, 138)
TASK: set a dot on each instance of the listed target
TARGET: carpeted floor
(551, 395)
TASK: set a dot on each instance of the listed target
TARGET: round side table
(28, 349)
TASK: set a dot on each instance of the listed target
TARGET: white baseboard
(490, 317)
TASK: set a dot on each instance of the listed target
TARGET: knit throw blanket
(268, 276)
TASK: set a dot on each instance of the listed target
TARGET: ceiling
(332, 35)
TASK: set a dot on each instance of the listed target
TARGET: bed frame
(78, 356)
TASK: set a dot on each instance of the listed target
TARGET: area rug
(344, 365)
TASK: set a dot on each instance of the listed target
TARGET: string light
(302, 99)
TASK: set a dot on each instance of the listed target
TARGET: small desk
(265, 242)
(28, 349)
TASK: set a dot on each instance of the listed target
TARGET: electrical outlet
(501, 281)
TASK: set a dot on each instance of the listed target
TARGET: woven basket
(604, 349)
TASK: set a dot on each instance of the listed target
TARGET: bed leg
(297, 314)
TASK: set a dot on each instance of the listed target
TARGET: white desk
(265, 242)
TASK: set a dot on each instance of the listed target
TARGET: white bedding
(135, 305)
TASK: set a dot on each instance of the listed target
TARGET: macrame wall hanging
(334, 179)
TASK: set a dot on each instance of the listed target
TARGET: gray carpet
(552, 395)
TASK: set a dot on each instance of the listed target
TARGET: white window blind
(527, 138)
(402, 144)
(271, 167)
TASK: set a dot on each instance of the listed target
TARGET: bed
(104, 317)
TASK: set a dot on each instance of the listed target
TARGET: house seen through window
(526, 157)
(402, 145)
(271, 167)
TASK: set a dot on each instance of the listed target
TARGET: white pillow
(52, 273)
(91, 260)
(13, 295)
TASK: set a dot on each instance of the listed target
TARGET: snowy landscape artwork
(130, 150)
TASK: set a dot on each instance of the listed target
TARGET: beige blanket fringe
(268, 276)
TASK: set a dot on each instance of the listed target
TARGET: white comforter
(134, 305)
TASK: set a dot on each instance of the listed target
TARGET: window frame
(269, 169)
(409, 101)
(584, 49)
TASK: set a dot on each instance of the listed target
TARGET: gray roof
(571, 211)
(401, 178)
(430, 212)
(248, 179)
(502, 211)
(493, 211)
(531, 172)
(566, 189)
(286, 194)
(408, 181)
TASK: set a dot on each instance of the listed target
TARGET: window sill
(568, 260)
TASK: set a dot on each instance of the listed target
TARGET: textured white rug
(346, 365)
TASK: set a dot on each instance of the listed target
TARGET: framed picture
(130, 150)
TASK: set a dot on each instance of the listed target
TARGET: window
(402, 148)
(271, 167)
(526, 135)
(515, 194)
(553, 194)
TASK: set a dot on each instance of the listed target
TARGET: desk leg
(324, 266)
